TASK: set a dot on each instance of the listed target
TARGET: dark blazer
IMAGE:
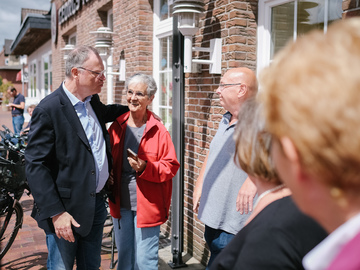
(60, 166)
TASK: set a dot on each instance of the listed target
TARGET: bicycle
(12, 186)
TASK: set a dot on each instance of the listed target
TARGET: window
(110, 19)
(162, 59)
(33, 79)
(72, 39)
(40, 81)
(47, 74)
(165, 82)
(110, 62)
(283, 20)
(50, 72)
(165, 12)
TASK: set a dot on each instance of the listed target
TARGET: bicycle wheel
(107, 241)
(10, 222)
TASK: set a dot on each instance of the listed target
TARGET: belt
(14, 115)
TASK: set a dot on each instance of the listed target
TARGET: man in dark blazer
(68, 160)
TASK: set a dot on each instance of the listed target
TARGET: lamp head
(188, 12)
(103, 41)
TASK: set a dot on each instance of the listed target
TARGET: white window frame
(38, 58)
(264, 28)
(33, 93)
(48, 71)
(161, 29)
(109, 62)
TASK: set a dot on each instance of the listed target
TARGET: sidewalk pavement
(5, 119)
(29, 248)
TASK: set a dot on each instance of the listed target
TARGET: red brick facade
(133, 23)
(351, 8)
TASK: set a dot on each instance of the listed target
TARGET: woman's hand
(138, 165)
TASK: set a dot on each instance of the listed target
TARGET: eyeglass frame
(98, 74)
(138, 94)
(222, 86)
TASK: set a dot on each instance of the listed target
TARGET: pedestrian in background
(17, 110)
(30, 110)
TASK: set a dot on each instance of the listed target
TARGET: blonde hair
(32, 106)
(311, 94)
(252, 143)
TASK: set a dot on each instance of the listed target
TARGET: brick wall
(351, 8)
(89, 18)
(235, 23)
(132, 25)
(133, 21)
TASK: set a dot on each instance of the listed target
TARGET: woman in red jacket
(144, 165)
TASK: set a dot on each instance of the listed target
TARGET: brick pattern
(89, 18)
(133, 21)
(351, 8)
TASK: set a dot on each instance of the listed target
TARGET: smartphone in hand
(132, 154)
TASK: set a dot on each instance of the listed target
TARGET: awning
(18, 76)
(34, 32)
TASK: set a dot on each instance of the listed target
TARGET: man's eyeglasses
(222, 86)
(137, 94)
(98, 74)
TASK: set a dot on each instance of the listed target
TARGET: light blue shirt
(95, 136)
(222, 182)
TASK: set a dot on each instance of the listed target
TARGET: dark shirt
(277, 238)
(17, 100)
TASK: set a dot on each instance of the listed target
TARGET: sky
(10, 16)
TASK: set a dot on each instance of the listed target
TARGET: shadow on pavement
(27, 262)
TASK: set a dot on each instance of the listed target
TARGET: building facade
(251, 32)
(33, 44)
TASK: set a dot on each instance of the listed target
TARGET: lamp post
(177, 205)
(188, 12)
(185, 20)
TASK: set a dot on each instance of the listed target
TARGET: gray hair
(77, 57)
(145, 79)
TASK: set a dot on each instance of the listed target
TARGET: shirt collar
(319, 257)
(228, 116)
(74, 100)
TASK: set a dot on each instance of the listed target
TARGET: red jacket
(154, 184)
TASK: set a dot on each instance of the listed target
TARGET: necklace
(267, 192)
